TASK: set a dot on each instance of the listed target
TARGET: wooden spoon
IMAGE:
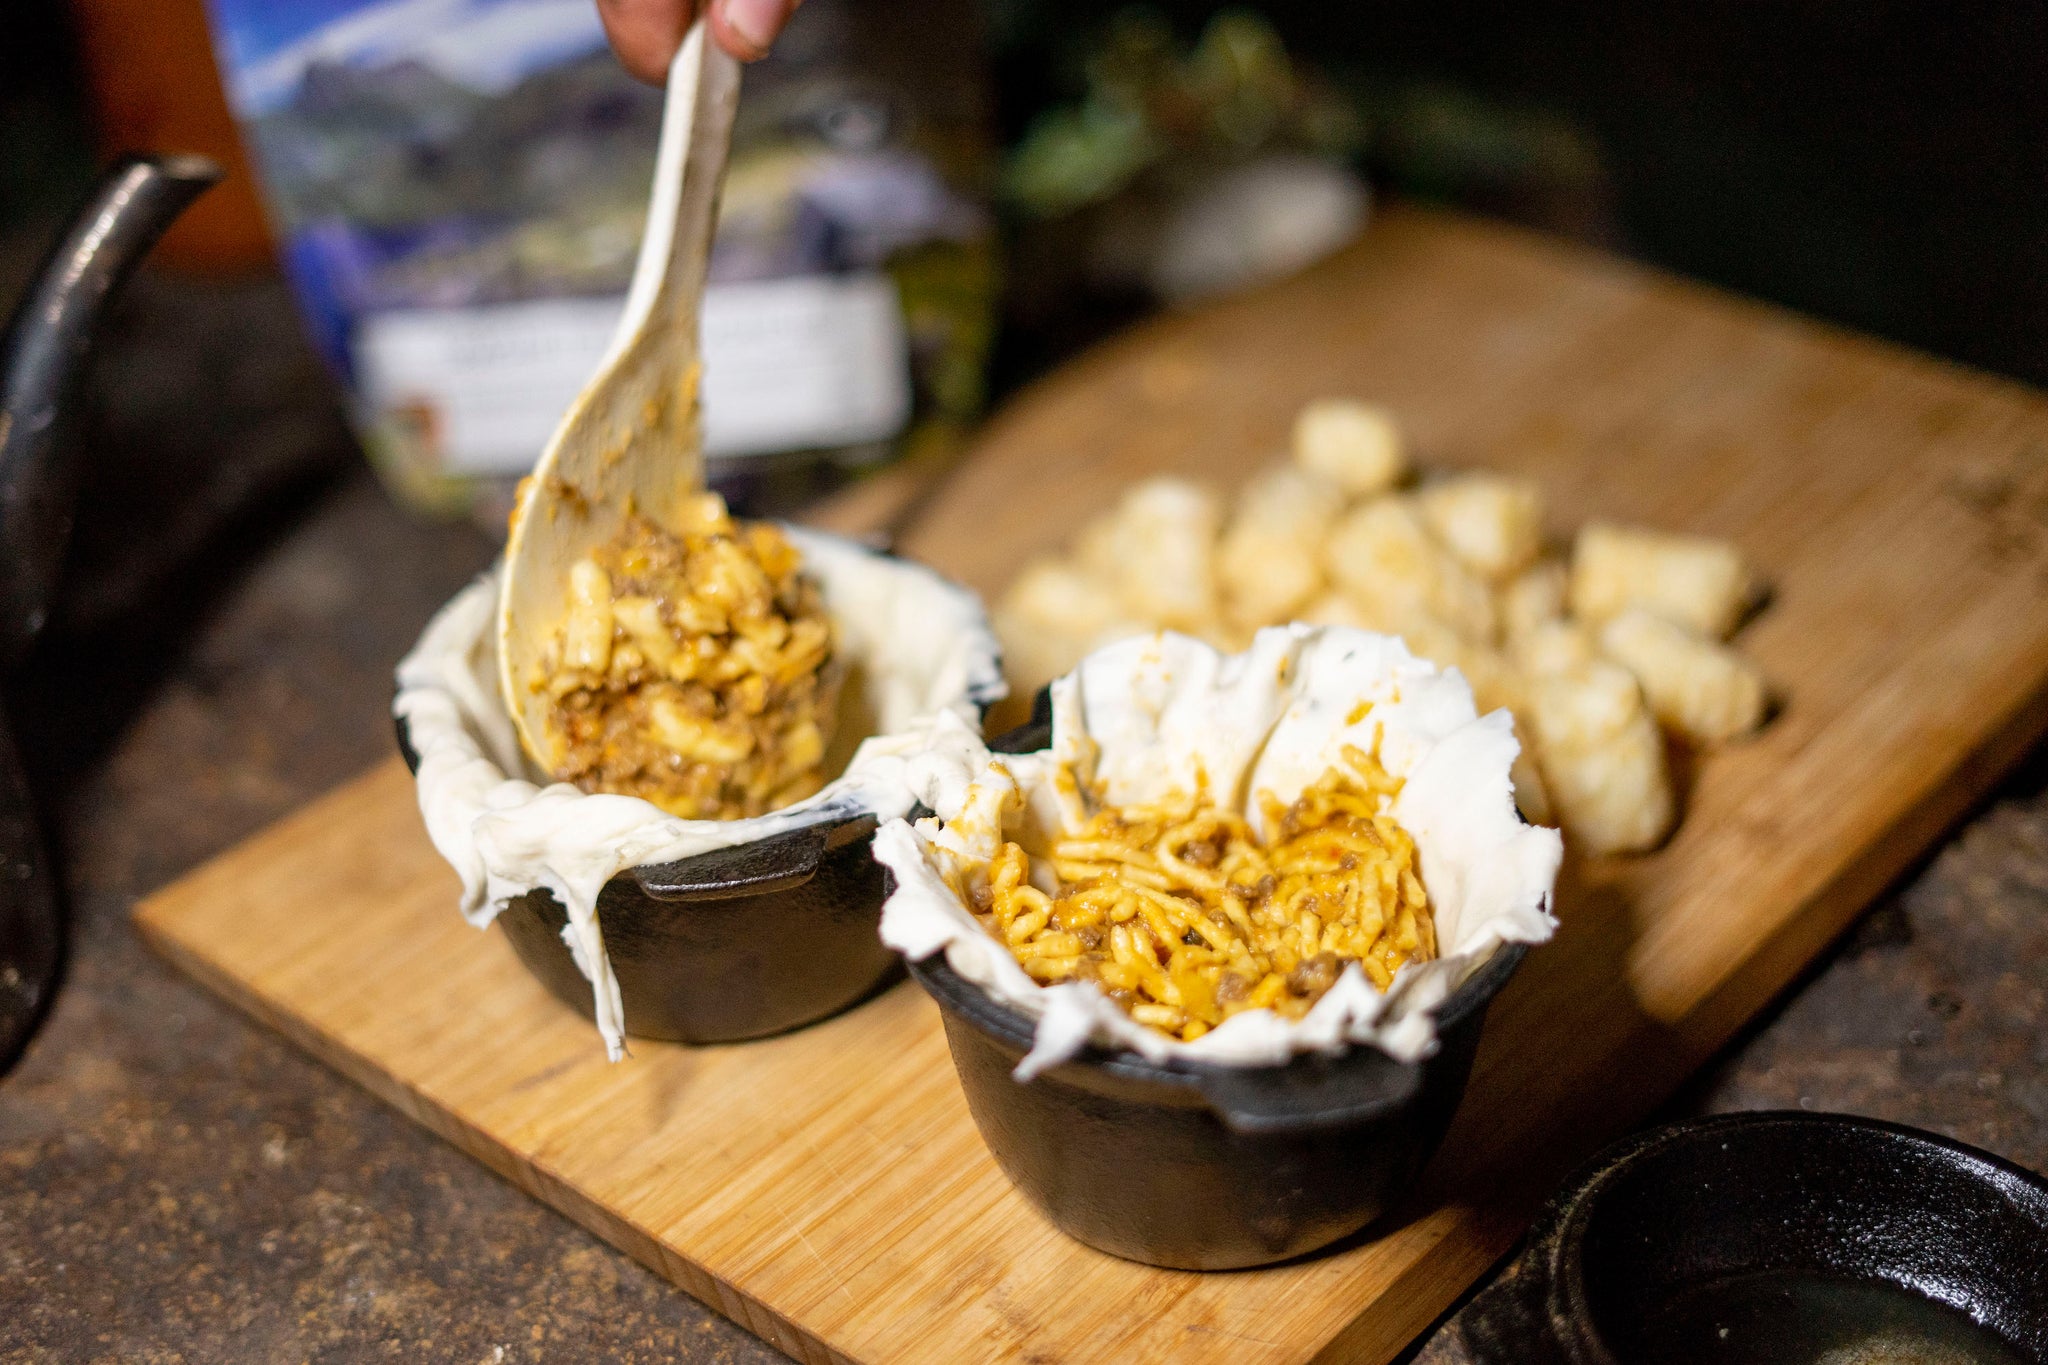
(630, 442)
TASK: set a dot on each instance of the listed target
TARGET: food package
(457, 188)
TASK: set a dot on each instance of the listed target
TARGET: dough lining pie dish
(704, 930)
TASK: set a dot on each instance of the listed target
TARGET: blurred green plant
(1441, 140)
(1154, 105)
(1150, 100)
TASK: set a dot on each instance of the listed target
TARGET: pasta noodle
(693, 669)
(1184, 918)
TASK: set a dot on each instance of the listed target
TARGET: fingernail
(757, 21)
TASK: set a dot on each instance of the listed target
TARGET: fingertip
(748, 28)
(643, 66)
(732, 40)
(645, 34)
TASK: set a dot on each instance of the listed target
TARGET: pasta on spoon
(696, 668)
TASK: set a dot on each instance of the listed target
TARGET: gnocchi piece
(1698, 687)
(1531, 598)
(1270, 559)
(1699, 583)
(1052, 615)
(1385, 560)
(1354, 445)
(1057, 594)
(1384, 615)
(1159, 548)
(1034, 653)
(1552, 647)
(1334, 609)
(1602, 758)
(1494, 524)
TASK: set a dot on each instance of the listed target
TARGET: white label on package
(788, 365)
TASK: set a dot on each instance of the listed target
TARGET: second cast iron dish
(1203, 1167)
(1661, 1215)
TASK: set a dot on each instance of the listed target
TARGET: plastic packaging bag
(458, 188)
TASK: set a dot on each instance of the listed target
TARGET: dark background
(1882, 165)
(45, 144)
(1878, 163)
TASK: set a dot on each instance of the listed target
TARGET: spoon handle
(682, 210)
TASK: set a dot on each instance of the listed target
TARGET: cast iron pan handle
(43, 362)
(1033, 734)
(1309, 1093)
(781, 862)
(405, 749)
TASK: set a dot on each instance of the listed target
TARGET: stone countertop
(177, 1183)
(183, 1185)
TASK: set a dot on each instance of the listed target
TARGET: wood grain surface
(828, 1189)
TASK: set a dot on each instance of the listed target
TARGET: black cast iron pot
(1758, 1215)
(1206, 1167)
(1199, 1167)
(734, 944)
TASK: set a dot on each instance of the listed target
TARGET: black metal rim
(1012, 1026)
(937, 976)
(785, 854)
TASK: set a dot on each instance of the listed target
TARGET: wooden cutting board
(828, 1189)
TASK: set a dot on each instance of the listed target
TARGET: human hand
(646, 33)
